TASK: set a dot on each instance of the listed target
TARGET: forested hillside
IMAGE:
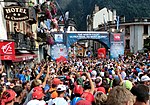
(79, 9)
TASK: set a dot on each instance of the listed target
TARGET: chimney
(96, 8)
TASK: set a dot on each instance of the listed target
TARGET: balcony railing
(22, 41)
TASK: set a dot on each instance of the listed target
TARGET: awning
(24, 57)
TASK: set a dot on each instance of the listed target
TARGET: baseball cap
(145, 78)
(38, 95)
(78, 89)
(4, 74)
(8, 96)
(88, 96)
(61, 88)
(56, 81)
(94, 73)
(39, 89)
(83, 102)
(127, 84)
(101, 89)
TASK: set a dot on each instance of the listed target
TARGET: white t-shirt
(123, 75)
(36, 102)
(58, 101)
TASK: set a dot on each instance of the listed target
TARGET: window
(127, 30)
(127, 44)
(7, 26)
(145, 30)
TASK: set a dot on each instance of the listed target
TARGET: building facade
(135, 31)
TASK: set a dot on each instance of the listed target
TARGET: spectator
(18, 90)
(8, 97)
(100, 98)
(83, 102)
(120, 96)
(60, 99)
(78, 90)
(142, 94)
(145, 80)
(37, 97)
(52, 90)
(22, 76)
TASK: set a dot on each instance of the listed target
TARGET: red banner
(101, 53)
(7, 50)
(117, 37)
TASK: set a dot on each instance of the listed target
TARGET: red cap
(78, 89)
(83, 102)
(67, 77)
(38, 95)
(90, 71)
(7, 96)
(88, 96)
(37, 89)
(101, 89)
(56, 81)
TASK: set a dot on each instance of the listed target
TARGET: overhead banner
(16, 13)
(101, 37)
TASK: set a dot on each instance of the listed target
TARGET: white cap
(99, 78)
(61, 88)
(30, 70)
(94, 73)
(145, 78)
(119, 67)
(3, 74)
(8, 83)
(83, 77)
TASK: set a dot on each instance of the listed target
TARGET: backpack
(48, 95)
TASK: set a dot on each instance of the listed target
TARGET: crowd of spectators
(79, 81)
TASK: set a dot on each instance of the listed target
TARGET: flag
(61, 19)
(67, 15)
(118, 22)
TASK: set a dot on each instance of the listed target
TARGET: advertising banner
(74, 37)
(117, 48)
(7, 50)
(117, 45)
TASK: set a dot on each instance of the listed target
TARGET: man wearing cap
(37, 97)
(52, 90)
(60, 99)
(145, 80)
(8, 97)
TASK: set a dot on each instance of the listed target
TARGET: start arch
(102, 37)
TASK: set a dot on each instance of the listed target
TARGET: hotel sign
(15, 13)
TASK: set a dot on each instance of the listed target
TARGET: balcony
(22, 41)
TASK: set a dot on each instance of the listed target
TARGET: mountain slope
(79, 9)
